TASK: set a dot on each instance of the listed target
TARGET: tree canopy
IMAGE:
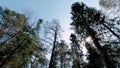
(94, 43)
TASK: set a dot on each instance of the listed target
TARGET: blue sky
(48, 10)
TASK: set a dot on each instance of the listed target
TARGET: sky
(48, 10)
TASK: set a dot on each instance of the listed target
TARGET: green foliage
(89, 21)
(22, 44)
(76, 52)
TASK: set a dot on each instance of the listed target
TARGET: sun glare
(89, 39)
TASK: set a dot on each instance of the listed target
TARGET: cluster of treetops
(23, 45)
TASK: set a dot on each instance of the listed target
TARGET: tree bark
(51, 64)
(61, 61)
(94, 57)
(107, 60)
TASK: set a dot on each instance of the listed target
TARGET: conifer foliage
(95, 42)
(19, 42)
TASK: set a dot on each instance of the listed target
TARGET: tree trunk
(94, 58)
(107, 60)
(61, 61)
(51, 64)
(111, 31)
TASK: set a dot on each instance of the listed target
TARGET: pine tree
(19, 41)
(85, 20)
(52, 31)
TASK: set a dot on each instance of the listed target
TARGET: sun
(89, 39)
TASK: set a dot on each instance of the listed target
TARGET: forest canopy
(38, 44)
